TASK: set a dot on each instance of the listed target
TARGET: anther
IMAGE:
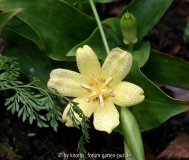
(107, 81)
(86, 86)
(101, 101)
(113, 94)
(87, 100)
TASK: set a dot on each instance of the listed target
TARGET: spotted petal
(66, 82)
(106, 118)
(87, 108)
(117, 65)
(87, 62)
(128, 94)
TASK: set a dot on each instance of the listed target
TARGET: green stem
(131, 46)
(100, 26)
(79, 4)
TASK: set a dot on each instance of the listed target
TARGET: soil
(20, 140)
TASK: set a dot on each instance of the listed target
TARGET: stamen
(87, 100)
(107, 81)
(99, 91)
(112, 94)
(86, 86)
(101, 101)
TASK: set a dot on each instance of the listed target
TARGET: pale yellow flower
(98, 88)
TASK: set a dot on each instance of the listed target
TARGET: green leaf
(13, 109)
(132, 134)
(42, 117)
(115, 39)
(5, 17)
(23, 29)
(24, 117)
(163, 69)
(141, 52)
(72, 2)
(20, 111)
(157, 107)
(31, 119)
(29, 110)
(147, 14)
(17, 106)
(33, 61)
(103, 1)
(56, 23)
(96, 1)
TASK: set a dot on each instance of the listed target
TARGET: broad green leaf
(72, 2)
(157, 106)
(103, 1)
(141, 52)
(163, 69)
(147, 13)
(23, 29)
(5, 17)
(57, 24)
(32, 61)
(115, 39)
(96, 1)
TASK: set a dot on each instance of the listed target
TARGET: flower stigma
(99, 89)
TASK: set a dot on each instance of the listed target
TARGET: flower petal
(66, 82)
(106, 118)
(87, 108)
(117, 65)
(87, 62)
(127, 94)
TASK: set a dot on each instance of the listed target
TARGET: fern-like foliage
(29, 100)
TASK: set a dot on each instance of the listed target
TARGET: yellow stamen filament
(98, 89)
(86, 86)
(101, 101)
(107, 81)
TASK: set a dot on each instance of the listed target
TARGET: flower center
(99, 89)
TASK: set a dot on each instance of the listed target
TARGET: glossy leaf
(147, 13)
(5, 17)
(115, 39)
(163, 69)
(32, 62)
(55, 22)
(157, 106)
(72, 2)
(23, 29)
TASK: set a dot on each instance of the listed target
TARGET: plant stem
(131, 46)
(100, 26)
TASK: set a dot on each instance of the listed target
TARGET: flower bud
(129, 28)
